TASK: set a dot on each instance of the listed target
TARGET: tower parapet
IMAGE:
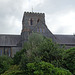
(34, 13)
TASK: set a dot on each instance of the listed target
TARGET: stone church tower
(34, 22)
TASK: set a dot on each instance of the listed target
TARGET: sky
(59, 15)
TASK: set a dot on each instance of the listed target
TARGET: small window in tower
(37, 20)
(31, 21)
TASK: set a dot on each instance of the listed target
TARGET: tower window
(31, 21)
(37, 20)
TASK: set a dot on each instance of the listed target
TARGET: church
(31, 22)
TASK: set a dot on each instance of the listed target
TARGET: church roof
(65, 39)
(9, 40)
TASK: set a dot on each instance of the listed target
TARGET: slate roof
(65, 39)
(9, 40)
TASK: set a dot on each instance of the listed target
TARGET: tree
(39, 48)
(5, 63)
(18, 55)
(31, 47)
(34, 40)
(45, 68)
(14, 70)
(51, 52)
(41, 68)
(69, 59)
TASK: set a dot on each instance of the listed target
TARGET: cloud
(60, 15)
(62, 23)
(10, 16)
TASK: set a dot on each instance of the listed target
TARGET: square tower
(34, 22)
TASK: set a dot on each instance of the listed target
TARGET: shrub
(44, 68)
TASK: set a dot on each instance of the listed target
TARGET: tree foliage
(14, 70)
(50, 51)
(41, 68)
(39, 48)
(69, 60)
(5, 63)
(18, 55)
(45, 68)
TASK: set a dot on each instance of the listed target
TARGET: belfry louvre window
(31, 21)
(37, 20)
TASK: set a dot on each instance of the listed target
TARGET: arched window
(0, 52)
(31, 21)
(37, 20)
(7, 51)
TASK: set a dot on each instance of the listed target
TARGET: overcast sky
(59, 15)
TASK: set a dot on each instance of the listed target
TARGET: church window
(40, 30)
(31, 21)
(37, 20)
(0, 52)
(7, 52)
(43, 30)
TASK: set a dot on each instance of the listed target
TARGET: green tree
(69, 59)
(14, 70)
(31, 47)
(18, 55)
(40, 68)
(45, 68)
(33, 42)
(51, 52)
(39, 48)
(5, 63)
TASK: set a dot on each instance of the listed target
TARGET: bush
(5, 63)
(44, 68)
(51, 52)
(17, 56)
(14, 70)
(69, 60)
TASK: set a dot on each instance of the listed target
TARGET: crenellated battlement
(42, 15)
(34, 13)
